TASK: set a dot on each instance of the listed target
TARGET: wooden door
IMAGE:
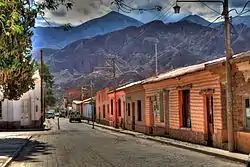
(210, 119)
(133, 116)
(25, 112)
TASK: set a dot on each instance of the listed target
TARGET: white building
(23, 113)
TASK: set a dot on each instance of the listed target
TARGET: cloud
(238, 3)
(59, 13)
(84, 10)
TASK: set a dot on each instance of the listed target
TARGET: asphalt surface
(78, 145)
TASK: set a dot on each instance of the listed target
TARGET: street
(77, 144)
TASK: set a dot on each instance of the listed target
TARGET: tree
(50, 100)
(17, 17)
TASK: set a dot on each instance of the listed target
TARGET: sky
(85, 10)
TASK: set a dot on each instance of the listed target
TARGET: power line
(209, 7)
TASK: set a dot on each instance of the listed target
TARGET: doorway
(25, 112)
(133, 116)
(210, 119)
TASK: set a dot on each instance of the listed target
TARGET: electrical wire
(242, 8)
(210, 7)
(214, 21)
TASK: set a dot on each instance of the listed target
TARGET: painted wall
(197, 133)
(103, 101)
(12, 110)
(133, 94)
(118, 95)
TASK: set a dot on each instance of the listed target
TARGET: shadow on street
(33, 150)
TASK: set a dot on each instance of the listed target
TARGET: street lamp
(155, 41)
(229, 93)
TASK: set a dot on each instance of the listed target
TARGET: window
(112, 107)
(161, 108)
(185, 108)
(103, 110)
(139, 110)
(247, 113)
(108, 108)
(36, 108)
(128, 109)
(119, 107)
(1, 114)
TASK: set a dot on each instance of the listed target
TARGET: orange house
(117, 107)
(134, 106)
(189, 103)
(186, 104)
(241, 97)
(102, 106)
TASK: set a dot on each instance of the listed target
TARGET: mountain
(196, 19)
(180, 44)
(36, 53)
(57, 37)
(200, 20)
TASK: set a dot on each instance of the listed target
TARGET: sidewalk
(10, 146)
(194, 147)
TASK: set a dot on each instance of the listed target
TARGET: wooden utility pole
(115, 85)
(229, 85)
(42, 91)
(92, 104)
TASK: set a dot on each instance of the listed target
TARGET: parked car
(57, 114)
(74, 116)
(50, 114)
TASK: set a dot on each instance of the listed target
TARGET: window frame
(161, 106)
(181, 111)
(119, 104)
(139, 113)
(104, 111)
(128, 109)
(112, 106)
(246, 126)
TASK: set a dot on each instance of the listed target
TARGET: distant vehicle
(62, 114)
(57, 114)
(50, 114)
(74, 116)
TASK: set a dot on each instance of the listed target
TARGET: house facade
(241, 97)
(117, 108)
(186, 104)
(25, 112)
(134, 116)
(76, 105)
(88, 109)
(103, 107)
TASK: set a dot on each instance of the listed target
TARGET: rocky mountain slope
(57, 37)
(180, 44)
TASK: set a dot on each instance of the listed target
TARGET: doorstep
(194, 147)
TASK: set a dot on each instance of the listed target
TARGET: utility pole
(115, 84)
(156, 60)
(229, 90)
(92, 104)
(42, 91)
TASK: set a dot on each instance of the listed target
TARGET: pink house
(117, 108)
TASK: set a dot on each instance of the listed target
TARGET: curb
(198, 150)
(15, 154)
(179, 145)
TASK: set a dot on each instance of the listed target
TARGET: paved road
(78, 145)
